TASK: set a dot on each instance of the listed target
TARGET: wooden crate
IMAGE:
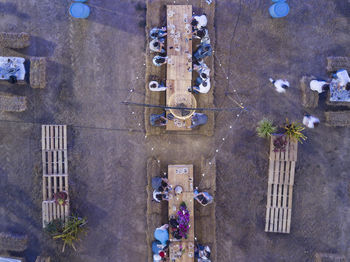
(280, 188)
(52, 211)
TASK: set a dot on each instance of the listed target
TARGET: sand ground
(93, 66)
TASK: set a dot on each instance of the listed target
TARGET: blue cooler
(280, 9)
(278, 1)
(79, 10)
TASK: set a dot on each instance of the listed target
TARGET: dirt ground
(93, 66)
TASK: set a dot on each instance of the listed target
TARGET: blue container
(86, 0)
(279, 9)
(79, 10)
(278, 1)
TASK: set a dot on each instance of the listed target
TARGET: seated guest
(198, 22)
(155, 86)
(200, 67)
(158, 120)
(159, 196)
(158, 32)
(311, 121)
(202, 252)
(198, 119)
(204, 198)
(319, 86)
(156, 46)
(203, 86)
(203, 35)
(343, 78)
(159, 60)
(161, 234)
(160, 184)
(203, 51)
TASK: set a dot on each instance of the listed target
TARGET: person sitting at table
(198, 22)
(203, 86)
(202, 252)
(156, 46)
(156, 33)
(204, 198)
(343, 79)
(203, 51)
(319, 86)
(203, 35)
(160, 60)
(311, 121)
(159, 196)
(155, 86)
(158, 120)
(200, 67)
(198, 119)
(161, 234)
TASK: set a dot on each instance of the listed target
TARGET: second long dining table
(181, 175)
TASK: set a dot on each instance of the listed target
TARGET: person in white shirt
(343, 78)
(319, 86)
(201, 67)
(311, 121)
(203, 86)
(156, 46)
(155, 86)
(159, 60)
(281, 85)
(199, 21)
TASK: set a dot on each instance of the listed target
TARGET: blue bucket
(279, 9)
(86, 0)
(79, 10)
(272, 1)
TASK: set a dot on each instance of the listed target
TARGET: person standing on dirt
(319, 86)
(310, 121)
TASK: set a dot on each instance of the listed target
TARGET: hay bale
(13, 242)
(328, 257)
(43, 259)
(37, 72)
(335, 63)
(14, 40)
(337, 118)
(10, 103)
(309, 98)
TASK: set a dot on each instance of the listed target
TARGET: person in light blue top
(162, 234)
(204, 198)
(203, 51)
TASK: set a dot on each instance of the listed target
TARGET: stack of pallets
(280, 187)
(55, 172)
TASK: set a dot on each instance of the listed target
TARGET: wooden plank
(181, 175)
(64, 137)
(292, 172)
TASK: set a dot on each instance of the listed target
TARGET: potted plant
(61, 198)
(265, 128)
(294, 131)
(279, 143)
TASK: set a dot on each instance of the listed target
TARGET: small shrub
(265, 128)
(294, 130)
(68, 232)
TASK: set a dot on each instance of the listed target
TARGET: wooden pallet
(52, 211)
(55, 171)
(280, 188)
(335, 63)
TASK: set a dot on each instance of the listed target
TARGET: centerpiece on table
(183, 218)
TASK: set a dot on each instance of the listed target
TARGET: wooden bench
(329, 257)
(12, 103)
(280, 187)
(13, 242)
(309, 98)
(37, 72)
(335, 63)
(55, 171)
(14, 40)
(337, 118)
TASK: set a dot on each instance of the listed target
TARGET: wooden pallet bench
(37, 72)
(14, 40)
(280, 187)
(337, 118)
(55, 171)
(12, 103)
(334, 63)
(309, 98)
